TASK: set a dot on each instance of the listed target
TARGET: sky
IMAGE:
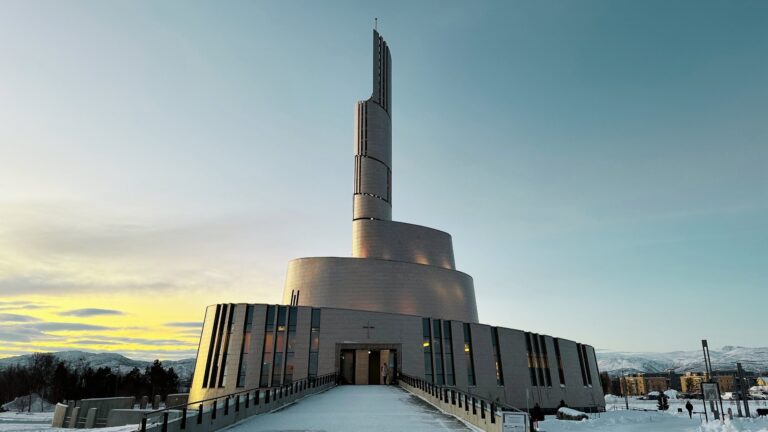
(601, 165)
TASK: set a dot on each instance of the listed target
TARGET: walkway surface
(375, 408)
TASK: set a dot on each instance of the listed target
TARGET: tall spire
(373, 142)
(382, 73)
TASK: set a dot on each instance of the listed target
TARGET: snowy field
(618, 419)
(30, 422)
(387, 408)
(355, 408)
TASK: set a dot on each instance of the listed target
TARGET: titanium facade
(445, 356)
(395, 267)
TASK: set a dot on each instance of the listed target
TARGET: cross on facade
(368, 328)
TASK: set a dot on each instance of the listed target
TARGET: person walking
(384, 373)
(689, 407)
(536, 416)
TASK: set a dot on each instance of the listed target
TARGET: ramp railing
(214, 413)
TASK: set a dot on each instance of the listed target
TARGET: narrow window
(245, 348)
(210, 346)
(269, 344)
(581, 364)
(468, 355)
(450, 379)
(289, 354)
(497, 356)
(437, 340)
(560, 371)
(314, 343)
(427, 345)
(538, 362)
(280, 343)
(586, 364)
(545, 360)
(532, 360)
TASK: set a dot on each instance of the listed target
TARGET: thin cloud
(94, 342)
(24, 333)
(14, 305)
(62, 326)
(89, 312)
(185, 324)
(16, 318)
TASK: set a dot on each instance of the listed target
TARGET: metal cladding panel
(374, 178)
(202, 353)
(254, 357)
(373, 132)
(514, 360)
(572, 369)
(234, 348)
(485, 366)
(382, 286)
(459, 358)
(301, 345)
(371, 207)
(597, 389)
(399, 241)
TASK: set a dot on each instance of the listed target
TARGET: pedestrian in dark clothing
(689, 407)
(536, 416)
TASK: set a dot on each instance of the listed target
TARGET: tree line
(57, 381)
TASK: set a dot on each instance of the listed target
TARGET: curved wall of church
(382, 286)
(398, 241)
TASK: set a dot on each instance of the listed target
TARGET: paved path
(374, 408)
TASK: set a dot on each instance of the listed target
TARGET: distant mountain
(183, 368)
(616, 363)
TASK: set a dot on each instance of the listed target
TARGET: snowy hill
(183, 368)
(752, 359)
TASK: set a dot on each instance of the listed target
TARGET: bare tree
(41, 368)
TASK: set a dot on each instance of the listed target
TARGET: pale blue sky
(601, 165)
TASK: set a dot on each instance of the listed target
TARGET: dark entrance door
(347, 366)
(374, 367)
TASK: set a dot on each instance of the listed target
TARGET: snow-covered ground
(355, 408)
(41, 422)
(33, 403)
(646, 421)
(618, 419)
(616, 403)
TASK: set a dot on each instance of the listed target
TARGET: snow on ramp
(354, 408)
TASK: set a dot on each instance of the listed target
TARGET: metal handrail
(324, 379)
(491, 405)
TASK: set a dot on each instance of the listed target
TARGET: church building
(397, 306)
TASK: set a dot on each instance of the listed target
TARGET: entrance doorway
(370, 366)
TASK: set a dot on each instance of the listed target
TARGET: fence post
(200, 414)
(226, 405)
(144, 424)
(237, 403)
(165, 422)
(247, 398)
(213, 412)
(183, 418)
(493, 413)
